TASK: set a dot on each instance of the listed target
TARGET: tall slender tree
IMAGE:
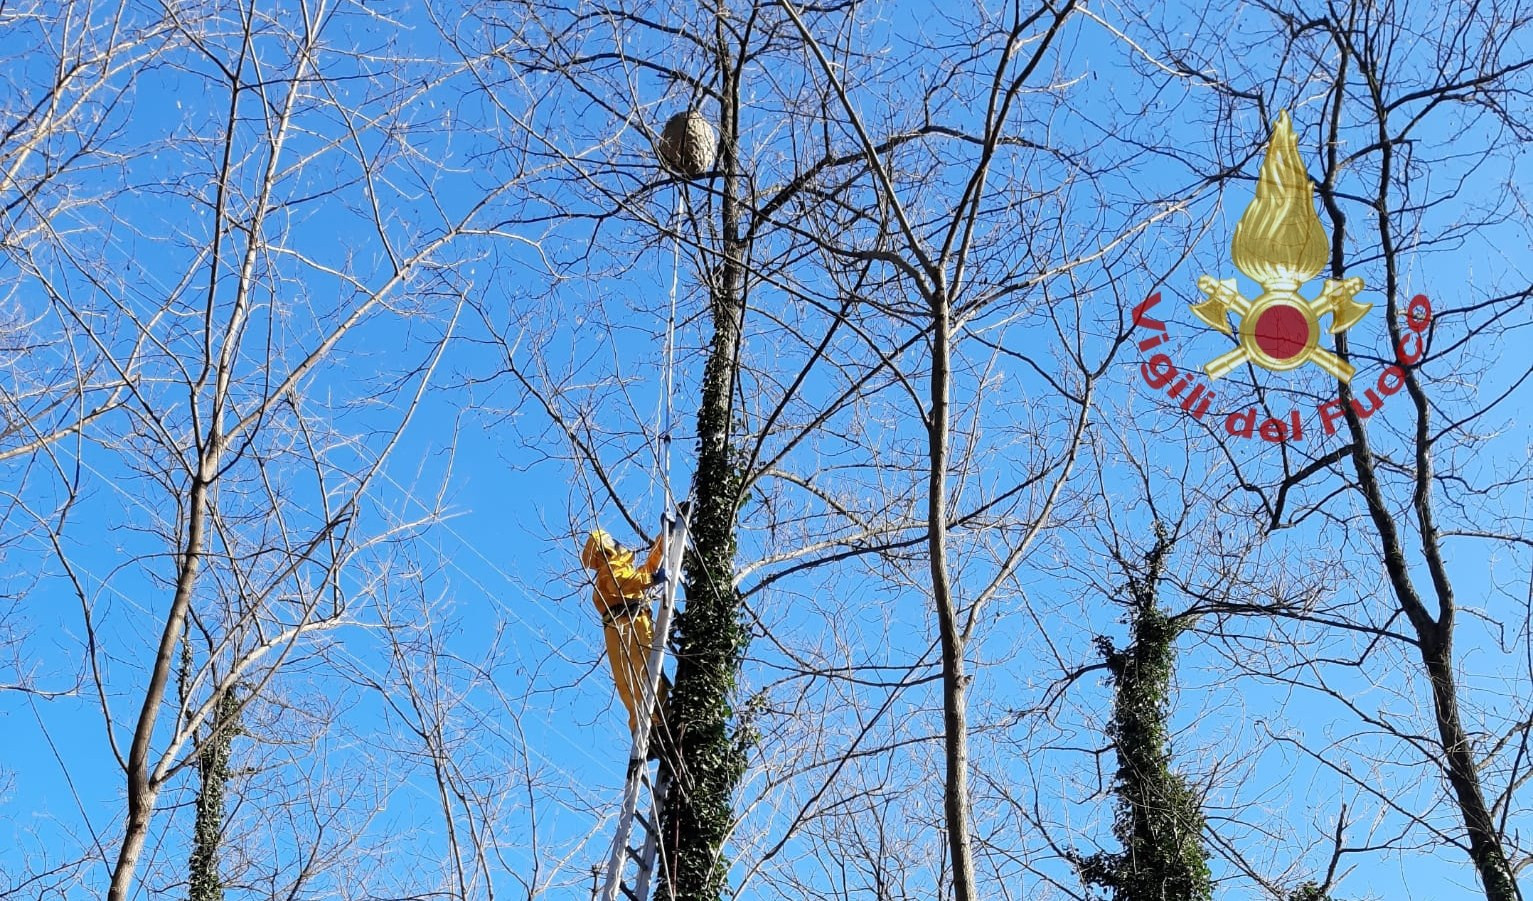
(932, 255)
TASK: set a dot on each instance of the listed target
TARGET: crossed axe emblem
(1280, 330)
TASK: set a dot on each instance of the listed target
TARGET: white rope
(638, 768)
(670, 350)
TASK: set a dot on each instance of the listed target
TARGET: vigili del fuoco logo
(1280, 244)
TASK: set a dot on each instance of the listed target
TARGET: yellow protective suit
(630, 633)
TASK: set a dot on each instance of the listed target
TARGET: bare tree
(863, 236)
(1413, 119)
(727, 221)
(943, 256)
(229, 267)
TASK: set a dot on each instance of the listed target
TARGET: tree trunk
(1435, 640)
(954, 679)
(1159, 818)
(710, 637)
(142, 788)
(213, 777)
(1485, 848)
(1434, 634)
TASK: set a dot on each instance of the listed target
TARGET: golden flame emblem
(1280, 244)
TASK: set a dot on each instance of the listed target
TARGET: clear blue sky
(532, 715)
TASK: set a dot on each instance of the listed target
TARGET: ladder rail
(648, 853)
(674, 537)
(638, 769)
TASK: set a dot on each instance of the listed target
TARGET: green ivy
(213, 778)
(1309, 891)
(709, 640)
(1159, 816)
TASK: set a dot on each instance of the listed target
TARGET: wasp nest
(687, 144)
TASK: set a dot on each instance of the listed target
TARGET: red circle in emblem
(1281, 331)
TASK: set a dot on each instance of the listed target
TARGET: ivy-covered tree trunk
(709, 635)
(1159, 818)
(213, 778)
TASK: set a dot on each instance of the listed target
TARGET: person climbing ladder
(625, 613)
(631, 649)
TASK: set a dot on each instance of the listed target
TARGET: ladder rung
(636, 780)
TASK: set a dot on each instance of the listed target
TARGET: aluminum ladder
(639, 777)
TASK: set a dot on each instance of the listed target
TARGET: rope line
(638, 768)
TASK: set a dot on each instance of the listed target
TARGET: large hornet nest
(688, 144)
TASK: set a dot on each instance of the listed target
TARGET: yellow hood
(601, 548)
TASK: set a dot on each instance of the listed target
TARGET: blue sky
(490, 595)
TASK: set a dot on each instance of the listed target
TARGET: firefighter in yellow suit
(620, 600)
